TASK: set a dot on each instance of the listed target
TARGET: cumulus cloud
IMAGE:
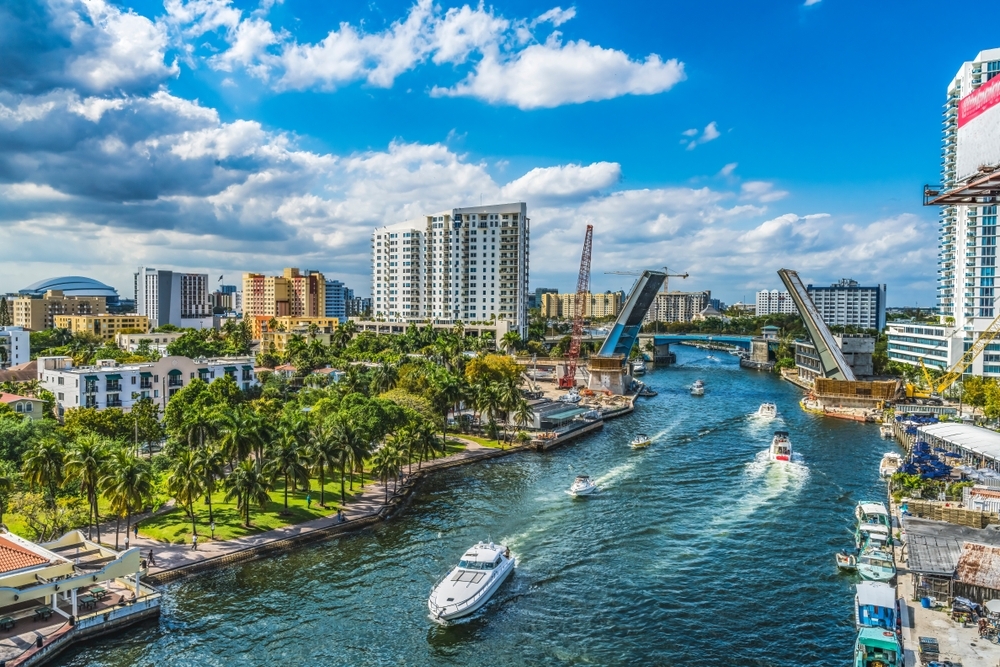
(710, 133)
(569, 182)
(762, 191)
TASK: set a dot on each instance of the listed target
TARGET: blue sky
(727, 139)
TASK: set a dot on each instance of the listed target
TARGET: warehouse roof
(974, 439)
(979, 565)
(934, 547)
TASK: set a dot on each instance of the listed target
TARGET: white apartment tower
(166, 297)
(770, 302)
(467, 264)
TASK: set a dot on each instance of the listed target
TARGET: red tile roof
(15, 557)
(10, 398)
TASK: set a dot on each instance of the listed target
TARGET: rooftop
(934, 547)
(70, 286)
(972, 438)
(979, 565)
(11, 398)
(876, 594)
(15, 557)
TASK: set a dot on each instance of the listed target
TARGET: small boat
(698, 388)
(711, 357)
(781, 447)
(846, 561)
(571, 396)
(872, 512)
(876, 565)
(470, 585)
(876, 647)
(885, 430)
(638, 367)
(890, 464)
(872, 535)
(646, 391)
(641, 440)
(767, 410)
(875, 605)
(582, 486)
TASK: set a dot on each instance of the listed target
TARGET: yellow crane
(935, 388)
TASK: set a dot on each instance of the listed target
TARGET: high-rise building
(169, 297)
(677, 306)
(596, 304)
(467, 264)
(38, 312)
(15, 346)
(771, 302)
(337, 298)
(357, 306)
(294, 293)
(535, 298)
(846, 303)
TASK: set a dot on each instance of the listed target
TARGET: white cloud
(809, 3)
(544, 185)
(728, 169)
(710, 133)
(761, 191)
(556, 16)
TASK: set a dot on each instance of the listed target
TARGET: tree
(492, 368)
(384, 465)
(84, 464)
(974, 391)
(147, 427)
(446, 391)
(348, 444)
(185, 483)
(323, 454)
(286, 460)
(43, 467)
(5, 318)
(8, 477)
(523, 414)
(127, 484)
(210, 462)
(248, 485)
(511, 341)
(238, 433)
(44, 521)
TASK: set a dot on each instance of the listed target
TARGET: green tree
(511, 342)
(211, 463)
(43, 467)
(8, 482)
(323, 454)
(185, 483)
(146, 423)
(286, 459)
(127, 484)
(5, 318)
(248, 485)
(238, 433)
(349, 446)
(84, 464)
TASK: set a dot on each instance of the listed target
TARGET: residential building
(112, 385)
(466, 264)
(772, 302)
(24, 405)
(606, 304)
(105, 327)
(226, 300)
(535, 298)
(337, 299)
(15, 346)
(37, 313)
(857, 349)
(295, 293)
(846, 303)
(277, 341)
(677, 306)
(495, 329)
(158, 342)
(261, 324)
(359, 307)
(937, 346)
(169, 297)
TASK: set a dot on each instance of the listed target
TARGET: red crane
(568, 381)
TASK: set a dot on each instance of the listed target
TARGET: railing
(467, 603)
(113, 386)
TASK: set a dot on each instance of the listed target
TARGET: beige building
(262, 324)
(105, 327)
(24, 405)
(677, 306)
(157, 341)
(294, 294)
(606, 304)
(38, 313)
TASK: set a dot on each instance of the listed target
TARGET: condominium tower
(168, 297)
(467, 264)
(295, 293)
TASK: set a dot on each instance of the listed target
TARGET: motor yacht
(767, 411)
(698, 388)
(582, 486)
(890, 464)
(640, 440)
(876, 565)
(781, 447)
(885, 430)
(638, 367)
(872, 512)
(472, 582)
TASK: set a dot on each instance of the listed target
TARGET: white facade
(15, 346)
(110, 385)
(157, 341)
(468, 264)
(846, 303)
(770, 302)
(166, 297)
(938, 346)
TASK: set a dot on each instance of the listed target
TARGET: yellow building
(606, 304)
(39, 313)
(105, 327)
(293, 294)
(261, 325)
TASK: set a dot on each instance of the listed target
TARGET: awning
(230, 369)
(144, 374)
(91, 378)
(565, 415)
(113, 376)
(174, 371)
(203, 371)
(248, 368)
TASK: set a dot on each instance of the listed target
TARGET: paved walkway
(370, 501)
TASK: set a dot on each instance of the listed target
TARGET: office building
(677, 306)
(773, 302)
(169, 297)
(15, 346)
(294, 293)
(858, 350)
(563, 306)
(105, 327)
(846, 303)
(337, 299)
(157, 342)
(466, 264)
(37, 313)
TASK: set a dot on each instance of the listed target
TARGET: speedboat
(638, 367)
(471, 584)
(767, 410)
(885, 430)
(698, 388)
(872, 512)
(641, 440)
(571, 396)
(875, 605)
(872, 535)
(847, 562)
(582, 486)
(876, 647)
(876, 565)
(781, 447)
(890, 464)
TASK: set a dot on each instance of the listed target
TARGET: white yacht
(767, 411)
(890, 464)
(582, 486)
(781, 447)
(638, 367)
(471, 584)
(885, 430)
(698, 388)
(640, 440)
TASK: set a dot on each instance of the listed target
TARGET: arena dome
(71, 286)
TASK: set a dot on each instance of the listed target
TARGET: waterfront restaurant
(978, 447)
(59, 592)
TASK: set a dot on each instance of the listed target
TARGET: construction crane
(936, 388)
(568, 381)
(639, 273)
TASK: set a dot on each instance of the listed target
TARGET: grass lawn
(485, 442)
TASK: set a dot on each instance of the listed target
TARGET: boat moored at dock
(876, 565)
(847, 561)
(890, 464)
(472, 582)
(885, 430)
(638, 367)
(872, 535)
(876, 647)
(875, 605)
(867, 512)
(781, 447)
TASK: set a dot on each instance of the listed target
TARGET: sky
(724, 139)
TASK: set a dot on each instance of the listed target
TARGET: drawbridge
(832, 360)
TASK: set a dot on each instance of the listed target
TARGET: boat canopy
(874, 508)
(876, 594)
(879, 638)
(783, 434)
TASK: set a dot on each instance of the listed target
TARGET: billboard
(978, 129)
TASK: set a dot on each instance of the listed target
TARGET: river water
(697, 552)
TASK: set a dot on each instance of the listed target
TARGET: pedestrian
(152, 561)
(194, 542)
(126, 542)
(340, 516)
(135, 531)
(309, 501)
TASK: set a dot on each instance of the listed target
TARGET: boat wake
(616, 473)
(767, 482)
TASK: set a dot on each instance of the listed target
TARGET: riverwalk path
(178, 558)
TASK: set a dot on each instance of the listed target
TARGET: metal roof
(876, 594)
(565, 415)
(979, 565)
(935, 546)
(981, 441)
(70, 286)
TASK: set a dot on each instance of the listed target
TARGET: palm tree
(247, 484)
(210, 461)
(446, 390)
(523, 414)
(386, 464)
(185, 483)
(84, 463)
(127, 483)
(323, 455)
(8, 473)
(347, 441)
(43, 466)
(511, 341)
(287, 461)
(384, 378)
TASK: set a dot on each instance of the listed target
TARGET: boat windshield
(476, 565)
